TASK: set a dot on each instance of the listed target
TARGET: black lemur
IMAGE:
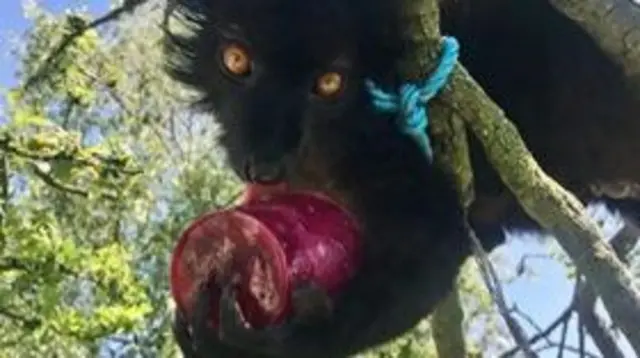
(285, 79)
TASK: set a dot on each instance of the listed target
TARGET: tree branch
(625, 240)
(544, 334)
(548, 203)
(494, 286)
(621, 243)
(567, 348)
(540, 196)
(446, 323)
(593, 324)
(614, 25)
(54, 57)
(563, 318)
(57, 184)
(70, 153)
(4, 198)
(563, 338)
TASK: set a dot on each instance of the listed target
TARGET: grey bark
(447, 327)
(622, 243)
(614, 25)
(541, 197)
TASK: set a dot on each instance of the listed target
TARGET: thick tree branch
(548, 203)
(623, 241)
(540, 196)
(452, 153)
(54, 57)
(593, 324)
(615, 26)
(447, 322)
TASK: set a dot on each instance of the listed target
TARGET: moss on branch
(540, 196)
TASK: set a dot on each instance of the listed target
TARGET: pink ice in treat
(273, 241)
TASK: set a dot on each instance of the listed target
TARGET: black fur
(569, 101)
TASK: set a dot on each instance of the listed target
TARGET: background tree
(103, 168)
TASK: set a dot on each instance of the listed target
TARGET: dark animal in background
(285, 79)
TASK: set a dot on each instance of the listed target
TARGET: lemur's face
(270, 69)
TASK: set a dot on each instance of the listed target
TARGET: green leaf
(23, 117)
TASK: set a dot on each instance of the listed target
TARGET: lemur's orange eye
(329, 84)
(236, 60)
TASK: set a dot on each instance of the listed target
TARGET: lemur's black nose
(263, 172)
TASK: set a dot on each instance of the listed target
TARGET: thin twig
(4, 197)
(531, 322)
(174, 134)
(581, 336)
(54, 57)
(563, 319)
(62, 154)
(57, 184)
(543, 334)
(563, 338)
(492, 282)
(520, 267)
(566, 348)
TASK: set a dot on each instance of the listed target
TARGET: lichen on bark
(540, 196)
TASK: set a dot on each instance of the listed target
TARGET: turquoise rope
(412, 99)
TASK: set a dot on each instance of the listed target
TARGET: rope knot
(412, 99)
(411, 108)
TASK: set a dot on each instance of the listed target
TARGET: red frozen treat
(257, 191)
(272, 241)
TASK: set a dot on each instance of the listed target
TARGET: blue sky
(542, 297)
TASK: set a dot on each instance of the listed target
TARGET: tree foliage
(102, 167)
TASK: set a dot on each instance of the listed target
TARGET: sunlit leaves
(24, 117)
(41, 257)
(106, 168)
(67, 79)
